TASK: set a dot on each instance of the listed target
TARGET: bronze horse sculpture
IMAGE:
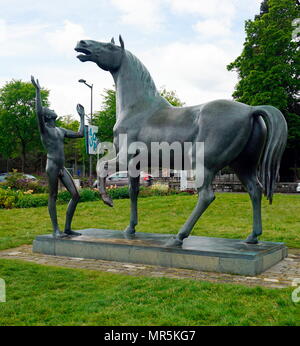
(249, 139)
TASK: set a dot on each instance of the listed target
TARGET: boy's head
(49, 114)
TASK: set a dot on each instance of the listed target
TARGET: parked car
(121, 179)
(298, 187)
(3, 177)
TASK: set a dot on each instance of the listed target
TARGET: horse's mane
(143, 73)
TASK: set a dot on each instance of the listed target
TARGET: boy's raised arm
(38, 104)
(80, 133)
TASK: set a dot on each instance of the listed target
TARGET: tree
(105, 119)
(19, 132)
(264, 7)
(171, 97)
(269, 66)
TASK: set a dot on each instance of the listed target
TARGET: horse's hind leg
(248, 177)
(205, 197)
(246, 166)
(134, 184)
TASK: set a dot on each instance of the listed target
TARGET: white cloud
(64, 39)
(196, 71)
(18, 31)
(65, 91)
(38, 49)
(41, 42)
(143, 14)
(211, 8)
(19, 39)
(213, 27)
(214, 18)
(3, 31)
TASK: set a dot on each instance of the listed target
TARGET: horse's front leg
(134, 184)
(105, 168)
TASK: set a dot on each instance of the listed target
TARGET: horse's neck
(133, 93)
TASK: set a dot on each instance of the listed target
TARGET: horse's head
(107, 56)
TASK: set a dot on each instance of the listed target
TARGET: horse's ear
(112, 41)
(121, 42)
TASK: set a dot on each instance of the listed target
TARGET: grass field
(44, 295)
(229, 216)
(41, 295)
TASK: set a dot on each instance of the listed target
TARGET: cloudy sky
(185, 44)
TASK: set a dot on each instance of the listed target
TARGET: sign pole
(91, 162)
(91, 118)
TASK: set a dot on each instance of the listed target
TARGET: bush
(118, 192)
(8, 198)
(157, 191)
(18, 199)
(123, 192)
(39, 200)
(32, 201)
(85, 182)
(18, 182)
(87, 195)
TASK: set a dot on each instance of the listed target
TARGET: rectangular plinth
(200, 253)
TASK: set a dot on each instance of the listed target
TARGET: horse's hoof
(129, 232)
(70, 233)
(174, 242)
(59, 234)
(251, 240)
(107, 200)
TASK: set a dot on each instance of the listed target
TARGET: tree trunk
(75, 163)
(23, 157)
(295, 165)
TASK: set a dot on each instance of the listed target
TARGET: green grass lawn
(229, 216)
(41, 295)
(44, 295)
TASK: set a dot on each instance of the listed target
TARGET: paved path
(279, 276)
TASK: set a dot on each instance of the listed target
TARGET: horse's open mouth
(85, 55)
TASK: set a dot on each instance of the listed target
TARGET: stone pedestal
(201, 253)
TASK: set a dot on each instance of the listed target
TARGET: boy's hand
(80, 110)
(35, 83)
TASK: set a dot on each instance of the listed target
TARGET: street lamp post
(91, 117)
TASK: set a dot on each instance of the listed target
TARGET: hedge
(17, 199)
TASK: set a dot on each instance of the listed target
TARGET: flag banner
(91, 139)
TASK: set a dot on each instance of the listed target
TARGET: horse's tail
(274, 147)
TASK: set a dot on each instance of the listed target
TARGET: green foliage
(269, 65)
(264, 7)
(11, 198)
(18, 127)
(8, 198)
(31, 201)
(106, 118)
(119, 192)
(172, 97)
(17, 181)
(86, 195)
(63, 197)
(157, 190)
